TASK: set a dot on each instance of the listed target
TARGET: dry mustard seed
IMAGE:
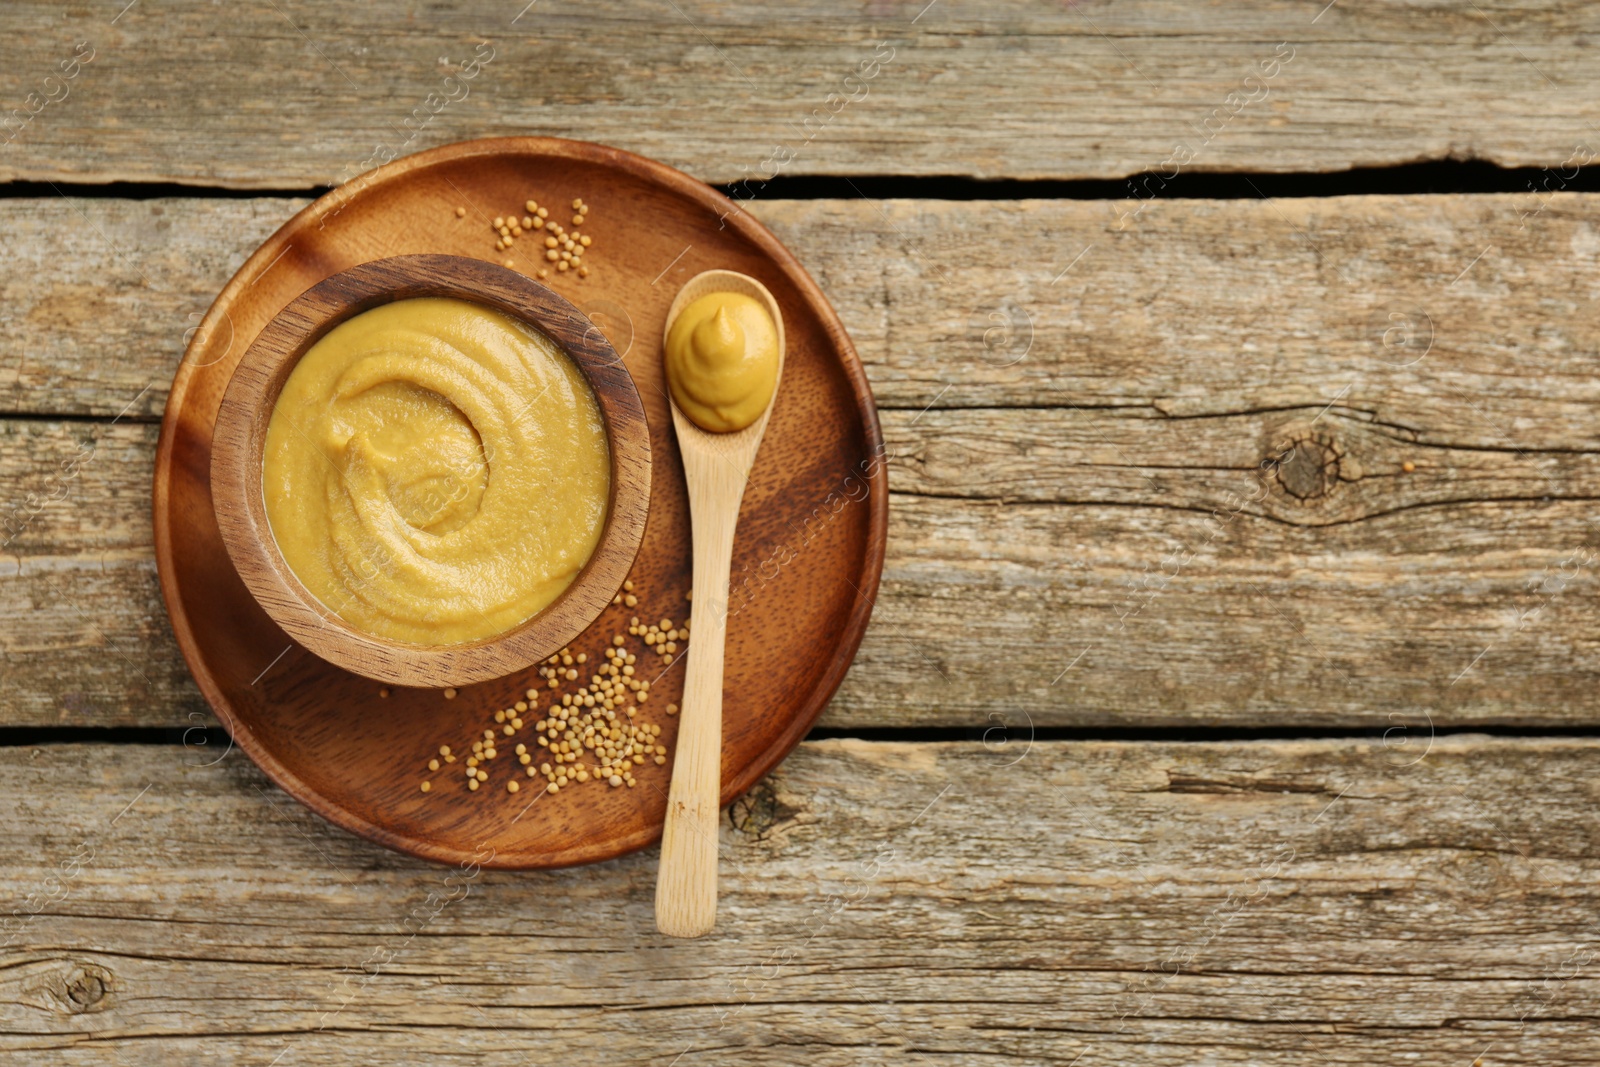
(461, 212)
(426, 785)
(628, 585)
(433, 765)
(384, 693)
(499, 221)
(449, 694)
(512, 786)
(531, 206)
(473, 785)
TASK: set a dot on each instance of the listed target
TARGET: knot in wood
(762, 811)
(79, 988)
(1308, 468)
(85, 990)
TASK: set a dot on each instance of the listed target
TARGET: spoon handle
(686, 887)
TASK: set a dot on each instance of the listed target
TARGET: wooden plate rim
(728, 213)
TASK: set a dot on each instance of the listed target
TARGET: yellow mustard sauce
(722, 361)
(436, 472)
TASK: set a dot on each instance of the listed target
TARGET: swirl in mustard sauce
(436, 472)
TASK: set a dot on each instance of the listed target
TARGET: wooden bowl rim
(251, 397)
(728, 213)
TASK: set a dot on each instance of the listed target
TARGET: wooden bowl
(240, 435)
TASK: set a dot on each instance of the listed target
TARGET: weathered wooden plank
(289, 96)
(1261, 903)
(100, 296)
(1464, 321)
(1032, 575)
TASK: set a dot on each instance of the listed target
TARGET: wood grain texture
(1261, 903)
(1472, 613)
(1193, 308)
(286, 96)
(1095, 486)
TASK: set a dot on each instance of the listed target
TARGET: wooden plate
(806, 562)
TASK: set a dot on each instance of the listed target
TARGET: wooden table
(1231, 694)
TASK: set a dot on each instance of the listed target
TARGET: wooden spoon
(715, 466)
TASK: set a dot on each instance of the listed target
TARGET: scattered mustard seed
(594, 733)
